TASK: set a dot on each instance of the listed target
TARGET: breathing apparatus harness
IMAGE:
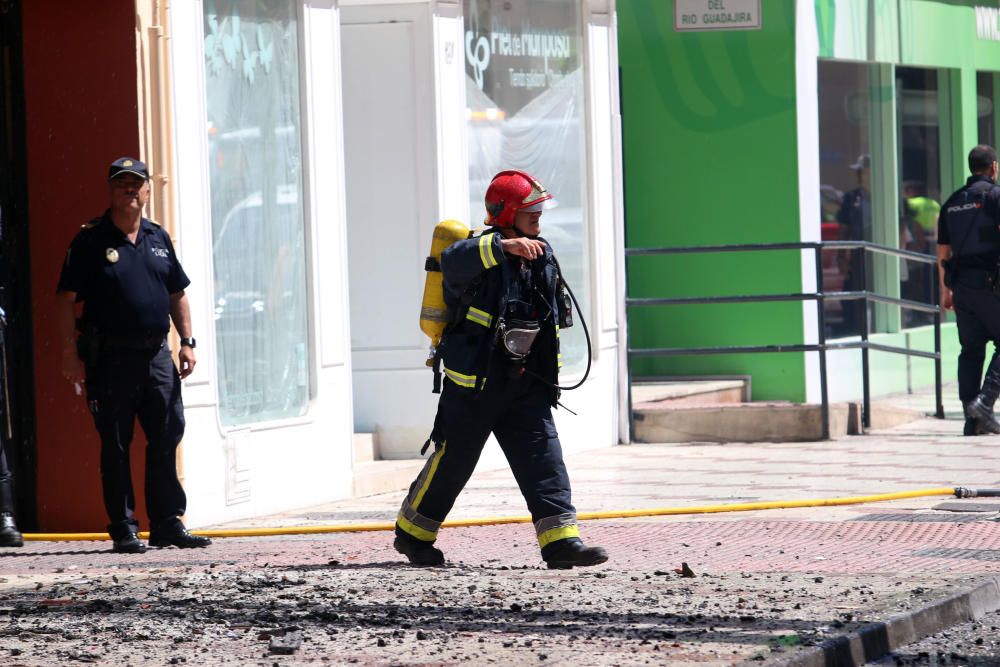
(522, 341)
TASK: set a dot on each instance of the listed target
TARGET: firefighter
(968, 253)
(500, 358)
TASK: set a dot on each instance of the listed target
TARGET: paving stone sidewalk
(768, 587)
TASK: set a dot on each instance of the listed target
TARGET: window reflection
(920, 187)
(845, 108)
(258, 248)
(524, 83)
(985, 105)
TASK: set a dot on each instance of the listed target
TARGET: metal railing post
(866, 398)
(936, 293)
(821, 341)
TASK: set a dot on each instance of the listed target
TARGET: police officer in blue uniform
(501, 359)
(968, 254)
(124, 270)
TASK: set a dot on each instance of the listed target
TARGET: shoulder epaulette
(155, 222)
(89, 225)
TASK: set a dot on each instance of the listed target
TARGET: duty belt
(138, 342)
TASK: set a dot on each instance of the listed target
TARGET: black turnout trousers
(518, 413)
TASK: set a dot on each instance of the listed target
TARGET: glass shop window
(986, 107)
(919, 107)
(847, 105)
(252, 76)
(525, 93)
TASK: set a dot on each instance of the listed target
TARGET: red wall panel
(81, 101)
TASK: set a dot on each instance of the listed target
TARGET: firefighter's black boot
(981, 407)
(571, 552)
(418, 552)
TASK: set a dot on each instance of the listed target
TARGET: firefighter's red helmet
(510, 192)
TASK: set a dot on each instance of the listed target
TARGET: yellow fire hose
(958, 492)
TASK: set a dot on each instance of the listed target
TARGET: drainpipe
(162, 117)
(163, 106)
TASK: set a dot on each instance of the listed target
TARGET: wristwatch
(189, 342)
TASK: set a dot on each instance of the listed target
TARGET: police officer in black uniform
(124, 269)
(10, 536)
(968, 254)
(501, 359)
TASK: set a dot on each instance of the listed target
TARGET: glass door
(919, 157)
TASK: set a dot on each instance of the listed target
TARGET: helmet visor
(543, 205)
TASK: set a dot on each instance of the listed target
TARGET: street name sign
(716, 15)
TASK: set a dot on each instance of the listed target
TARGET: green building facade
(770, 121)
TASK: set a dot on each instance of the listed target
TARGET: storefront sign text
(539, 46)
(988, 23)
(716, 15)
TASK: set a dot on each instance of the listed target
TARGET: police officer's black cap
(128, 165)
(981, 158)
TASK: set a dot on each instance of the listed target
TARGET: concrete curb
(876, 640)
(739, 422)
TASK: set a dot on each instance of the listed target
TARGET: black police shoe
(973, 427)
(129, 544)
(418, 552)
(10, 536)
(572, 552)
(177, 537)
(984, 414)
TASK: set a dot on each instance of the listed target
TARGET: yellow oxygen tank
(433, 310)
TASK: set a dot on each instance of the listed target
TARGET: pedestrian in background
(855, 218)
(501, 366)
(968, 253)
(124, 270)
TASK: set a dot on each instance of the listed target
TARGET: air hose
(958, 492)
(583, 323)
(586, 333)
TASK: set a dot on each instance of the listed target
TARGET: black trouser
(138, 383)
(977, 312)
(6, 477)
(516, 411)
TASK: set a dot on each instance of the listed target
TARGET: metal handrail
(820, 297)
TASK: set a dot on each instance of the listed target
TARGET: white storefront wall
(249, 470)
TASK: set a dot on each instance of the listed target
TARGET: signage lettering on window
(988, 23)
(532, 57)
